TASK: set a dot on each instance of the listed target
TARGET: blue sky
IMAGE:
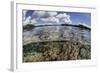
(77, 17)
(73, 17)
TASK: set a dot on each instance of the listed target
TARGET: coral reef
(56, 43)
(56, 51)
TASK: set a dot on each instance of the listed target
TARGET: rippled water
(52, 33)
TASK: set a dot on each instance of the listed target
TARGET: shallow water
(56, 43)
(54, 33)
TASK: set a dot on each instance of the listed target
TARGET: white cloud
(64, 18)
(50, 20)
(27, 20)
(24, 14)
(33, 21)
(48, 17)
(38, 14)
(65, 21)
(43, 14)
(63, 15)
(52, 13)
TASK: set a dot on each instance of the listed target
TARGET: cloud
(43, 14)
(33, 21)
(39, 14)
(65, 21)
(63, 15)
(50, 20)
(52, 13)
(41, 17)
(24, 14)
(64, 18)
(27, 20)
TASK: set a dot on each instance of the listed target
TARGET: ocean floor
(56, 51)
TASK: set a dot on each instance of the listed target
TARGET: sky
(41, 17)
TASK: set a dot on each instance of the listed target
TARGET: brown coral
(56, 51)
